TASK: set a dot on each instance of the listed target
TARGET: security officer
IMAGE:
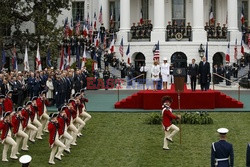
(221, 151)
(248, 155)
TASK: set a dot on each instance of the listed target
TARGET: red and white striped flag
(121, 47)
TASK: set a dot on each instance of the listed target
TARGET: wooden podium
(179, 79)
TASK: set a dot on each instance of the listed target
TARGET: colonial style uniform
(221, 152)
(25, 160)
(77, 119)
(64, 136)
(8, 103)
(18, 130)
(1, 106)
(42, 110)
(7, 140)
(27, 126)
(34, 118)
(167, 117)
(83, 109)
(54, 141)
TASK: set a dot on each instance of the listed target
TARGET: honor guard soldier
(54, 141)
(139, 30)
(224, 31)
(25, 160)
(175, 28)
(8, 103)
(189, 31)
(218, 30)
(18, 132)
(182, 27)
(248, 155)
(167, 116)
(1, 106)
(169, 30)
(76, 117)
(7, 140)
(221, 151)
(212, 31)
(206, 28)
(64, 136)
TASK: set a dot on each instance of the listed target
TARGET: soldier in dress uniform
(206, 28)
(224, 31)
(248, 155)
(182, 27)
(167, 116)
(218, 30)
(133, 30)
(138, 31)
(175, 27)
(106, 76)
(222, 154)
(7, 140)
(83, 108)
(189, 31)
(212, 30)
(54, 141)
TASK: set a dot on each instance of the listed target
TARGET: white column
(105, 13)
(159, 21)
(232, 8)
(199, 34)
(124, 20)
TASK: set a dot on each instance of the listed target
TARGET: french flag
(228, 53)
(141, 17)
(242, 19)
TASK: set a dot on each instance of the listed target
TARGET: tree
(42, 14)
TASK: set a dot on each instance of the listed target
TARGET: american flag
(157, 51)
(100, 16)
(121, 48)
(235, 50)
(78, 24)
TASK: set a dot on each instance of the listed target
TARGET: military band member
(16, 122)
(83, 108)
(30, 129)
(248, 155)
(71, 127)
(224, 31)
(54, 141)
(175, 28)
(8, 103)
(34, 118)
(42, 110)
(7, 140)
(64, 136)
(167, 116)
(222, 151)
(182, 27)
(218, 30)
(212, 30)
(139, 30)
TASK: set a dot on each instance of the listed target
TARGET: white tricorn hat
(25, 159)
(222, 130)
(165, 59)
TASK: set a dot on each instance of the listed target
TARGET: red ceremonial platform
(150, 99)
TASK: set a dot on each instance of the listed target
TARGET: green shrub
(201, 118)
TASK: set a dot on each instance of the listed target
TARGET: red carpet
(149, 99)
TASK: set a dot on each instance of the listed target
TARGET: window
(178, 12)
(78, 10)
(144, 9)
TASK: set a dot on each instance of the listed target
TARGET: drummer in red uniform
(8, 103)
(167, 116)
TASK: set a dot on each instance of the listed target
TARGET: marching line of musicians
(31, 121)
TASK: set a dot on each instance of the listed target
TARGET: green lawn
(122, 139)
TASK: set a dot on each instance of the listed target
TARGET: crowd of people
(142, 29)
(30, 121)
(214, 31)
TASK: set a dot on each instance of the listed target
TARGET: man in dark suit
(193, 72)
(248, 155)
(204, 72)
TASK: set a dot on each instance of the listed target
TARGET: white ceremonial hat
(25, 159)
(165, 59)
(223, 130)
